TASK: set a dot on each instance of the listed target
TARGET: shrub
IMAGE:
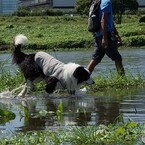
(142, 19)
(135, 40)
(2, 42)
(24, 11)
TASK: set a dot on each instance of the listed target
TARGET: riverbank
(129, 133)
(65, 32)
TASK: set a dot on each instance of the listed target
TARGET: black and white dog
(42, 66)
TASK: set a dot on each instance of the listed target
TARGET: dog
(42, 66)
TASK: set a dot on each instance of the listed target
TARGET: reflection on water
(79, 110)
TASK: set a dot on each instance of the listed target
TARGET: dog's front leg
(72, 92)
(24, 91)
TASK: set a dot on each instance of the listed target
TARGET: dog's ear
(51, 84)
(81, 74)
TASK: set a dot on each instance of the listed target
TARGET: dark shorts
(111, 51)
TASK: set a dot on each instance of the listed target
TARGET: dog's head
(81, 74)
(73, 76)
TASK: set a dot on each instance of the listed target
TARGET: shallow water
(82, 109)
(133, 61)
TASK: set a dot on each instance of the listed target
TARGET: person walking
(106, 40)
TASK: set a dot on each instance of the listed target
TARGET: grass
(9, 82)
(116, 81)
(118, 133)
(46, 32)
(112, 81)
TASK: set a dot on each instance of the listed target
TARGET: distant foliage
(142, 19)
(67, 32)
(2, 42)
(25, 11)
(82, 6)
(119, 7)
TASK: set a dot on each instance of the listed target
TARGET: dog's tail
(18, 41)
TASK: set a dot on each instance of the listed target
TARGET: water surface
(133, 61)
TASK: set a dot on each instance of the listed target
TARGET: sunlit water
(133, 60)
(84, 108)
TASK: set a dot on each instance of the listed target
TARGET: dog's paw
(20, 95)
(90, 81)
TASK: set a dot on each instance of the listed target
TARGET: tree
(120, 6)
(82, 6)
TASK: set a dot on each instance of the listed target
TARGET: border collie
(43, 66)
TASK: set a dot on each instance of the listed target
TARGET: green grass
(116, 81)
(46, 32)
(119, 133)
(112, 81)
(9, 82)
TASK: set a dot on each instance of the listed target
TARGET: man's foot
(90, 81)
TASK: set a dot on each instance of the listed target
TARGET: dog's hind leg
(24, 91)
(28, 84)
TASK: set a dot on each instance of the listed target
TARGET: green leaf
(120, 131)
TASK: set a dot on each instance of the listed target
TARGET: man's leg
(97, 56)
(92, 65)
(119, 67)
(113, 53)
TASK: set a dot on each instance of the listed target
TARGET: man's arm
(104, 30)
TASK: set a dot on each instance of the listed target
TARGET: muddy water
(84, 108)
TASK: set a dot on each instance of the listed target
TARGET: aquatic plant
(9, 82)
(6, 115)
(120, 133)
(116, 81)
(59, 112)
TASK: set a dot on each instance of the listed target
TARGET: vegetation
(10, 82)
(115, 81)
(67, 32)
(6, 115)
(119, 7)
(119, 133)
(64, 32)
(25, 11)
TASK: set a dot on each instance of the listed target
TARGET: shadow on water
(83, 109)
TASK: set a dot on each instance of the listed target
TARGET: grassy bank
(129, 133)
(9, 82)
(45, 32)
